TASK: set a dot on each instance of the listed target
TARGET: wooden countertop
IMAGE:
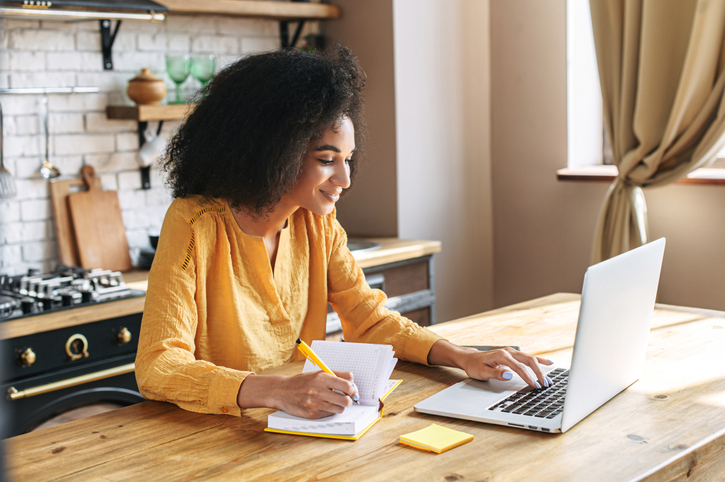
(391, 250)
(670, 425)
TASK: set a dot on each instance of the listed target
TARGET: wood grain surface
(393, 250)
(148, 112)
(59, 191)
(256, 8)
(82, 315)
(98, 227)
(670, 425)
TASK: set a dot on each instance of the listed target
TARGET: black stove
(64, 288)
(52, 368)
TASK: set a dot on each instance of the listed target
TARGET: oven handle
(15, 394)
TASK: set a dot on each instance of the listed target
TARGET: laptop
(617, 304)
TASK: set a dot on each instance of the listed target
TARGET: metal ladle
(47, 170)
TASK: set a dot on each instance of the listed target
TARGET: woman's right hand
(307, 395)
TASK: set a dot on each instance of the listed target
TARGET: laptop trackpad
(496, 387)
(469, 397)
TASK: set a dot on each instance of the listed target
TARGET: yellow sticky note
(435, 438)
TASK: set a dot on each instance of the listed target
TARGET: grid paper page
(370, 364)
(350, 422)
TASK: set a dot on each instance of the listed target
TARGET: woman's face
(326, 170)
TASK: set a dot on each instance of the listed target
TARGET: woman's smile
(326, 170)
(334, 197)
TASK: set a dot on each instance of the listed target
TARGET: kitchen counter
(392, 250)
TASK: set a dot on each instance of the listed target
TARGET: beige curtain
(662, 72)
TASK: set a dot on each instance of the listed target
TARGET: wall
(428, 112)
(54, 54)
(367, 28)
(543, 228)
(443, 144)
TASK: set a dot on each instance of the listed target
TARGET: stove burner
(66, 287)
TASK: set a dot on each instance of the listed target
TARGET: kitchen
(513, 228)
(69, 127)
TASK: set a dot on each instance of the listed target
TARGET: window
(587, 147)
(585, 127)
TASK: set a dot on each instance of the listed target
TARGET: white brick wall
(37, 53)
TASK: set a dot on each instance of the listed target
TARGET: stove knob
(86, 296)
(27, 305)
(123, 336)
(27, 357)
(67, 299)
(47, 303)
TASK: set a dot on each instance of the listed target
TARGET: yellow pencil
(312, 356)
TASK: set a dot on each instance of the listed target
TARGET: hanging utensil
(47, 170)
(7, 182)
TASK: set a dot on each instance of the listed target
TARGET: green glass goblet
(202, 68)
(178, 68)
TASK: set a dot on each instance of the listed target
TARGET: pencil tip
(299, 340)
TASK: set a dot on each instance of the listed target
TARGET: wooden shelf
(258, 9)
(143, 113)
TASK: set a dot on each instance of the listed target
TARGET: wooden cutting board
(59, 191)
(98, 226)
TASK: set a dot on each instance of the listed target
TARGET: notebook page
(391, 367)
(369, 363)
(354, 419)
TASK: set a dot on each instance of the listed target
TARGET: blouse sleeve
(166, 368)
(362, 311)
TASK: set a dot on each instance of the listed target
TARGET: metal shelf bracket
(107, 39)
(284, 33)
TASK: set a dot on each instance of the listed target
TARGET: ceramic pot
(146, 88)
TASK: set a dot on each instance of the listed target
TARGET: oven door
(33, 400)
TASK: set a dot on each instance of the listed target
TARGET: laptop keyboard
(539, 403)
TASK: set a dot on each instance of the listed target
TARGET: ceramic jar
(146, 88)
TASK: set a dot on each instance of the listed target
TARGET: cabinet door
(420, 316)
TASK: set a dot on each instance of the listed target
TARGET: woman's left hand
(486, 365)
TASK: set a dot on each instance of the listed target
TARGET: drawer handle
(15, 394)
(76, 347)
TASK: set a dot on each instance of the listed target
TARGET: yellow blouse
(215, 310)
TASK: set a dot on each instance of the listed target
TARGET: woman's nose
(341, 177)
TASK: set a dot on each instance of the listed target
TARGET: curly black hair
(246, 140)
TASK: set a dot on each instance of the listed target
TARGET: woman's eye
(326, 162)
(349, 160)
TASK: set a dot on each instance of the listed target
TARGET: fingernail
(355, 397)
(537, 385)
(551, 382)
(507, 375)
(546, 382)
(550, 361)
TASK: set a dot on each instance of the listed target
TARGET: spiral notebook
(371, 366)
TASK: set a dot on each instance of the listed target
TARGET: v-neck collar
(276, 281)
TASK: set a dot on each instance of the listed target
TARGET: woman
(250, 252)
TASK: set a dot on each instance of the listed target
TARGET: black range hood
(84, 9)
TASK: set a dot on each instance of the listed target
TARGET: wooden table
(667, 426)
